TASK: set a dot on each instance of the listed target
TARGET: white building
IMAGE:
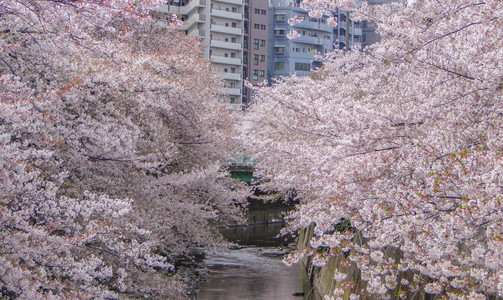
(220, 24)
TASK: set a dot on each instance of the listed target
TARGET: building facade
(247, 39)
(300, 55)
(255, 44)
(219, 23)
(348, 34)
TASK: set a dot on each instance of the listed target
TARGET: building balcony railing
(196, 32)
(226, 14)
(194, 19)
(226, 45)
(233, 92)
(232, 76)
(225, 60)
(235, 2)
(168, 9)
(313, 40)
(192, 5)
(226, 29)
(313, 25)
(357, 31)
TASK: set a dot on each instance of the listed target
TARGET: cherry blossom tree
(398, 147)
(112, 134)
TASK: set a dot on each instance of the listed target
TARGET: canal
(254, 270)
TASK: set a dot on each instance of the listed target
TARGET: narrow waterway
(250, 273)
(253, 271)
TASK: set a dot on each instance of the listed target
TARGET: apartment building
(255, 43)
(355, 35)
(300, 55)
(219, 23)
(348, 34)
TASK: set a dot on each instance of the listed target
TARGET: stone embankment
(320, 280)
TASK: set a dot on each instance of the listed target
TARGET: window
(263, 12)
(279, 49)
(255, 59)
(280, 17)
(279, 32)
(225, 70)
(232, 85)
(280, 66)
(262, 27)
(257, 11)
(262, 58)
(262, 73)
(262, 43)
(226, 54)
(233, 100)
(255, 44)
(233, 70)
(234, 40)
(234, 24)
(226, 24)
(245, 27)
(302, 67)
(255, 75)
(233, 55)
(245, 72)
(245, 58)
(256, 26)
(234, 9)
(245, 42)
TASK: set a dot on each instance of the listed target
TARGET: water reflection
(250, 273)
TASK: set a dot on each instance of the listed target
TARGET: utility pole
(347, 30)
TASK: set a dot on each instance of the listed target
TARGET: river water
(253, 271)
(250, 273)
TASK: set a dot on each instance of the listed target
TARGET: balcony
(226, 14)
(357, 45)
(233, 92)
(232, 76)
(226, 29)
(235, 2)
(305, 24)
(168, 9)
(235, 106)
(199, 33)
(194, 19)
(311, 40)
(225, 60)
(192, 5)
(225, 45)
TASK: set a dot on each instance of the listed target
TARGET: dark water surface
(250, 273)
(255, 271)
